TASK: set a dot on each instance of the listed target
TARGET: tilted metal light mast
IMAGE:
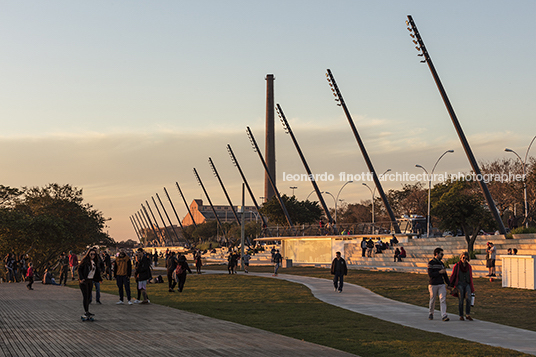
(288, 130)
(211, 205)
(139, 219)
(276, 192)
(177, 216)
(164, 230)
(235, 162)
(167, 216)
(186, 204)
(417, 40)
(213, 167)
(340, 100)
(135, 228)
(150, 223)
(160, 236)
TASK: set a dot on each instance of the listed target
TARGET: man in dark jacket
(339, 270)
(436, 286)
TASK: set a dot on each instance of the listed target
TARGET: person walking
(171, 266)
(88, 271)
(73, 263)
(143, 273)
(122, 271)
(30, 276)
(339, 269)
(277, 261)
(64, 268)
(231, 266)
(462, 279)
(180, 273)
(436, 286)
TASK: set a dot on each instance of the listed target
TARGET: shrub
(520, 230)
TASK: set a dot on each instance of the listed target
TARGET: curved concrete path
(358, 299)
(46, 322)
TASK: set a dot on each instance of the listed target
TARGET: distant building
(203, 213)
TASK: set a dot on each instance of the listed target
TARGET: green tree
(300, 212)
(43, 222)
(461, 206)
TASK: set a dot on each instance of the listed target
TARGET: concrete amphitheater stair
(420, 251)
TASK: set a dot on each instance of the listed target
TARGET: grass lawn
(290, 309)
(507, 306)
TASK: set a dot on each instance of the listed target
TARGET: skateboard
(87, 318)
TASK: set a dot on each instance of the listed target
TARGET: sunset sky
(123, 98)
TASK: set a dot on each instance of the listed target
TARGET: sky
(123, 98)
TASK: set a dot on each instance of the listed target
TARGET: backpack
(179, 270)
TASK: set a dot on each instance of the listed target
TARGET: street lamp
(430, 189)
(372, 193)
(524, 165)
(337, 200)
(329, 193)
(293, 188)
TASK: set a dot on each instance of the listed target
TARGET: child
(30, 276)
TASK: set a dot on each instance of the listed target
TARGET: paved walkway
(46, 322)
(363, 301)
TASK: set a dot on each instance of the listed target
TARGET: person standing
(88, 271)
(108, 265)
(143, 273)
(339, 270)
(64, 268)
(96, 283)
(363, 246)
(490, 259)
(30, 276)
(198, 262)
(436, 286)
(171, 265)
(180, 273)
(277, 261)
(370, 247)
(73, 263)
(462, 279)
(246, 259)
(122, 272)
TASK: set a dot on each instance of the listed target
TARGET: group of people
(234, 258)
(92, 269)
(460, 284)
(177, 268)
(368, 245)
(16, 267)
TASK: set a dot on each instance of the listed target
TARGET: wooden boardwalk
(46, 322)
